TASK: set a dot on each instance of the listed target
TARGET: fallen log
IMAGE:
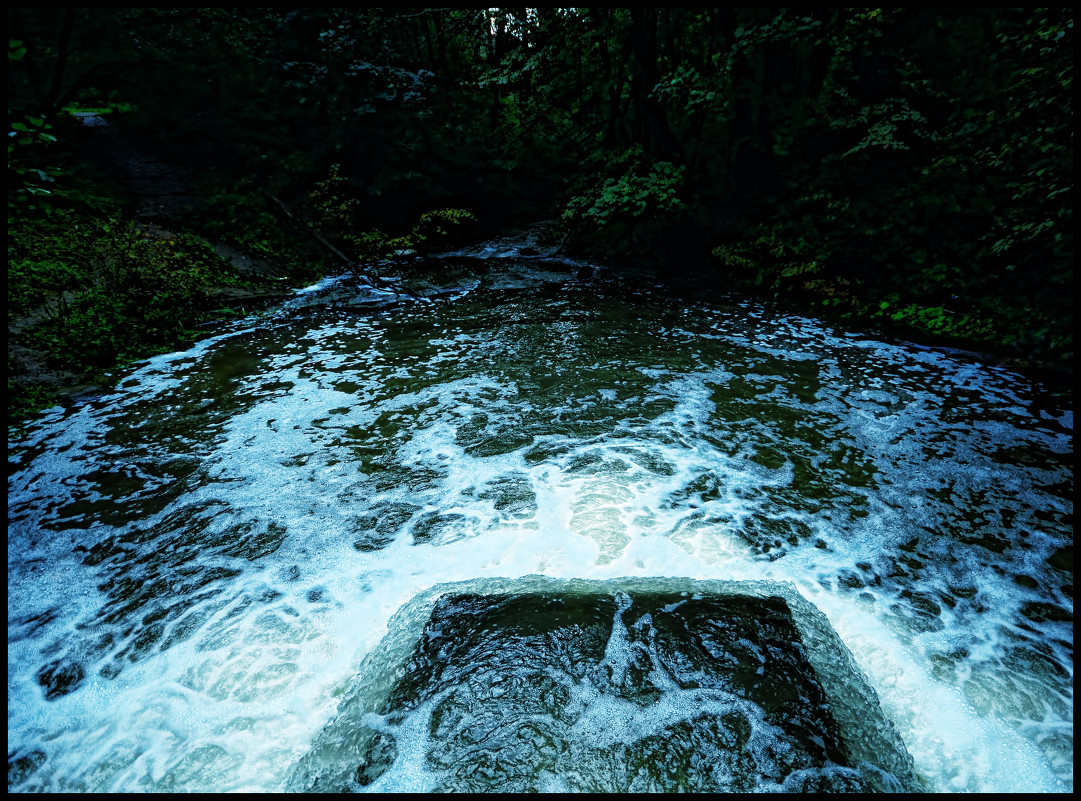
(373, 280)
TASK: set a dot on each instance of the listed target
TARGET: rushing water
(202, 564)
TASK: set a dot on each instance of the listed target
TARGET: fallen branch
(369, 278)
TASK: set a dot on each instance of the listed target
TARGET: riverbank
(144, 232)
(36, 380)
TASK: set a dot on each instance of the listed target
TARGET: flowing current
(203, 563)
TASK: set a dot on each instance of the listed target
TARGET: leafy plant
(638, 198)
(777, 259)
(441, 228)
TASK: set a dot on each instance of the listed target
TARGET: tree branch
(369, 278)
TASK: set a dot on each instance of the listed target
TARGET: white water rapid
(200, 562)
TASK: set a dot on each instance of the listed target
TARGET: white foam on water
(721, 465)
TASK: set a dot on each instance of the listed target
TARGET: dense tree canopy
(909, 164)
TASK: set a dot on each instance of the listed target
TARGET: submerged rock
(23, 766)
(590, 687)
(60, 677)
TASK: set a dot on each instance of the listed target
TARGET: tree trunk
(48, 105)
(651, 128)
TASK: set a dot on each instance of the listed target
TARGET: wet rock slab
(645, 690)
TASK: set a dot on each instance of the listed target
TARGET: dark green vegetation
(907, 168)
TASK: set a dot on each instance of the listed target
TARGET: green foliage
(436, 230)
(942, 167)
(91, 331)
(24, 398)
(368, 247)
(98, 292)
(687, 88)
(237, 214)
(919, 157)
(30, 177)
(332, 205)
(440, 229)
(333, 210)
(637, 198)
(938, 321)
(775, 259)
(45, 260)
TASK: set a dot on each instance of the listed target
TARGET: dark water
(200, 562)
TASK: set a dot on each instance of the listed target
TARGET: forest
(549, 400)
(908, 170)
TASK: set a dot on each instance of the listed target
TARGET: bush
(632, 200)
(107, 290)
(774, 260)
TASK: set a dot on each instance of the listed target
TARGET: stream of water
(202, 563)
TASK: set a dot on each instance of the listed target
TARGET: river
(202, 562)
